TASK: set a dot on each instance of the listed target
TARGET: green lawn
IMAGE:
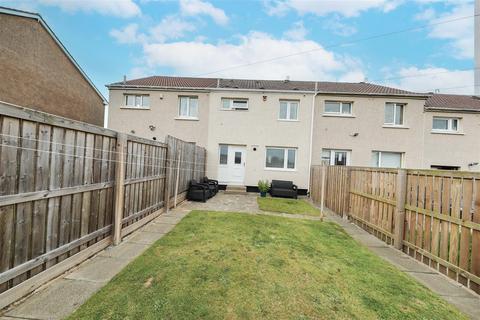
(216, 265)
(293, 206)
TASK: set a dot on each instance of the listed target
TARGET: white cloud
(118, 8)
(297, 32)
(127, 35)
(171, 27)
(459, 33)
(336, 26)
(346, 8)
(430, 79)
(200, 58)
(199, 7)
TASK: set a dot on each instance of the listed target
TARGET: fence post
(401, 188)
(322, 192)
(119, 187)
(179, 159)
(347, 193)
(168, 178)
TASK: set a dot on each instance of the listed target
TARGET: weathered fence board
(441, 222)
(59, 192)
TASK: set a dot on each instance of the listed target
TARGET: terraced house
(273, 129)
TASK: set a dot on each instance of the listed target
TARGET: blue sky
(139, 38)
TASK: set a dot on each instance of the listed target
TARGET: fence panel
(336, 195)
(187, 162)
(373, 201)
(145, 177)
(56, 191)
(442, 223)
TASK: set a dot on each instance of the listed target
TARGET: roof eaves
(122, 86)
(39, 18)
(413, 94)
(442, 109)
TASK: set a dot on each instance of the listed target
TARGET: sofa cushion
(282, 184)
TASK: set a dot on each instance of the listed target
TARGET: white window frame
(135, 96)
(289, 107)
(340, 112)
(188, 116)
(331, 158)
(450, 121)
(285, 159)
(395, 106)
(232, 104)
(402, 155)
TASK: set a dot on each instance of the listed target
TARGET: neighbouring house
(39, 73)
(273, 129)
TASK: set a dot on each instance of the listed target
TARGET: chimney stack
(124, 79)
(477, 47)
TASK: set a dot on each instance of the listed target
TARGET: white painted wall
(258, 128)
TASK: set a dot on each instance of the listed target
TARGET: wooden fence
(68, 189)
(434, 216)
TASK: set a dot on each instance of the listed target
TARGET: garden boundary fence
(431, 215)
(69, 189)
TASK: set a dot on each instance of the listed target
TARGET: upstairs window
(288, 110)
(137, 100)
(234, 104)
(338, 107)
(394, 114)
(188, 107)
(443, 124)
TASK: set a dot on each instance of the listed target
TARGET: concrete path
(464, 299)
(62, 296)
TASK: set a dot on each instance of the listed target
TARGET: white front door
(231, 168)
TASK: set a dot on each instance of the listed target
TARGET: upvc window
(394, 114)
(338, 107)
(336, 157)
(137, 100)
(288, 110)
(281, 158)
(188, 107)
(234, 104)
(444, 124)
(384, 159)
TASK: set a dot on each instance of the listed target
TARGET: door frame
(223, 174)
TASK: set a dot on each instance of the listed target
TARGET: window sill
(233, 109)
(135, 108)
(447, 132)
(388, 126)
(287, 120)
(338, 115)
(280, 169)
(187, 118)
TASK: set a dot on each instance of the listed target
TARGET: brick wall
(36, 73)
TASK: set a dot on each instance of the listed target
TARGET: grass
(216, 265)
(292, 206)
